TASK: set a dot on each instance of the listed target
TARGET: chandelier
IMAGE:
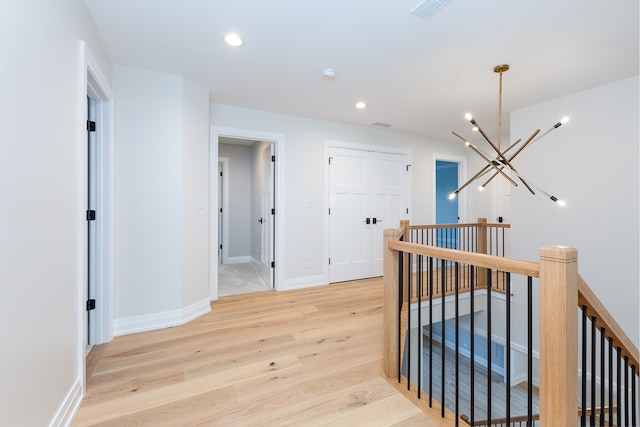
(501, 161)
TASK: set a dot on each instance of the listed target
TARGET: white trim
(97, 86)
(70, 405)
(225, 208)
(328, 143)
(165, 319)
(279, 151)
(462, 178)
(304, 282)
(238, 260)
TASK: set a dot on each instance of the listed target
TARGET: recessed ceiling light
(232, 39)
(361, 105)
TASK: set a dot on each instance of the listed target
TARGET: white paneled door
(367, 194)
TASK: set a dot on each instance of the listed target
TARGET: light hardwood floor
(297, 358)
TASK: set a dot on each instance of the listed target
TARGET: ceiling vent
(428, 7)
(381, 125)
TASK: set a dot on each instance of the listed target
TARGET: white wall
(592, 163)
(161, 236)
(239, 209)
(304, 172)
(42, 206)
(195, 193)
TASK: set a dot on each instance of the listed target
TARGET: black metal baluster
(457, 285)
(583, 418)
(619, 384)
(430, 332)
(420, 334)
(610, 380)
(626, 390)
(489, 370)
(408, 335)
(593, 371)
(602, 375)
(471, 345)
(508, 350)
(529, 351)
(634, 418)
(400, 285)
(443, 265)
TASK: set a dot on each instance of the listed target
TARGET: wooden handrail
(604, 319)
(457, 225)
(526, 268)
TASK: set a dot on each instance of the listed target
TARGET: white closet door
(388, 183)
(367, 193)
(349, 201)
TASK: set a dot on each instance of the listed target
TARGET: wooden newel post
(391, 307)
(558, 336)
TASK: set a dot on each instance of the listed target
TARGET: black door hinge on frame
(91, 304)
(91, 215)
(91, 126)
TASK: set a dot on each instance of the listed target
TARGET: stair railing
(561, 290)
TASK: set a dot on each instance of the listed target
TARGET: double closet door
(367, 194)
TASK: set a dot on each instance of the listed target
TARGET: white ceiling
(419, 75)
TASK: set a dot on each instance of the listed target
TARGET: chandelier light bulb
(452, 196)
(468, 116)
(481, 188)
(475, 128)
(562, 203)
(564, 120)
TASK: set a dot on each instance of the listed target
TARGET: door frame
(224, 161)
(96, 87)
(328, 143)
(279, 151)
(462, 177)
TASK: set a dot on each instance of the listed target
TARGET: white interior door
(389, 200)
(267, 220)
(367, 193)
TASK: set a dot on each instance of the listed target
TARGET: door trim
(96, 86)
(328, 143)
(279, 150)
(225, 207)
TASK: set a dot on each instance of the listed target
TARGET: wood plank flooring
(297, 358)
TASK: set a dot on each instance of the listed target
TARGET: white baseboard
(237, 260)
(69, 406)
(303, 282)
(165, 319)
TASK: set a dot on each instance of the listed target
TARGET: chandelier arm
(493, 163)
(527, 142)
(497, 150)
(554, 127)
(519, 177)
(482, 172)
(490, 162)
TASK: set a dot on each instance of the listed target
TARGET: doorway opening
(448, 173)
(246, 224)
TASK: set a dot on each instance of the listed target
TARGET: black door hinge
(273, 211)
(273, 158)
(91, 215)
(273, 264)
(91, 304)
(91, 126)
